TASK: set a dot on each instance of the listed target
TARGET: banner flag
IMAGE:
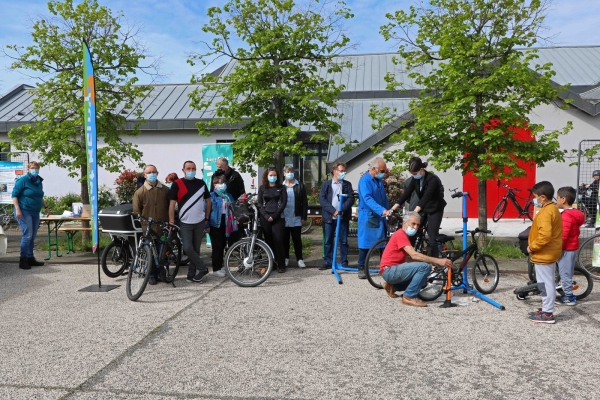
(89, 115)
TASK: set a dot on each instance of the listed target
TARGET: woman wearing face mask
(295, 213)
(272, 199)
(222, 222)
(28, 199)
(430, 191)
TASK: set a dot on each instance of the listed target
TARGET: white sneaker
(220, 273)
(301, 264)
(286, 262)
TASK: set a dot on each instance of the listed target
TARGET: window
(312, 169)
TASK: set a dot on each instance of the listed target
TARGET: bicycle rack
(335, 266)
(465, 286)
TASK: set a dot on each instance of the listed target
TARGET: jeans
(544, 274)
(330, 241)
(414, 272)
(29, 225)
(566, 269)
(191, 238)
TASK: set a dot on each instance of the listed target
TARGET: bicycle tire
(307, 225)
(433, 289)
(581, 207)
(529, 210)
(530, 269)
(139, 273)
(484, 270)
(585, 256)
(175, 258)
(524, 291)
(499, 210)
(372, 264)
(114, 259)
(239, 271)
(582, 283)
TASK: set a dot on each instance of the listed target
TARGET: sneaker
(152, 280)
(566, 300)
(287, 260)
(189, 279)
(199, 278)
(543, 318)
(536, 312)
(220, 273)
(300, 264)
(361, 273)
(324, 267)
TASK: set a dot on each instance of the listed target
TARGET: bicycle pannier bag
(241, 212)
(524, 240)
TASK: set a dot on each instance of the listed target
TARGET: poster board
(10, 172)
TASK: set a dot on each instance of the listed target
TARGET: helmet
(596, 172)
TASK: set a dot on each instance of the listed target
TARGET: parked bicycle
(7, 216)
(588, 256)
(525, 211)
(485, 273)
(250, 260)
(147, 257)
(586, 203)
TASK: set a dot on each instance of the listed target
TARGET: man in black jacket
(233, 179)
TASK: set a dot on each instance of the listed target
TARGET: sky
(171, 29)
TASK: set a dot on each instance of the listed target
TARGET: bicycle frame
(513, 198)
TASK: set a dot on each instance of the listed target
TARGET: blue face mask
(536, 203)
(380, 175)
(151, 177)
(341, 176)
(190, 174)
(289, 176)
(272, 179)
(417, 176)
(168, 184)
(34, 172)
(410, 231)
(221, 188)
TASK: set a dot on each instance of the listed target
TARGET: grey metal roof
(593, 94)
(576, 65)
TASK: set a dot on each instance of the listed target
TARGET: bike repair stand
(335, 266)
(465, 286)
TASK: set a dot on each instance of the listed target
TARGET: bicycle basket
(241, 212)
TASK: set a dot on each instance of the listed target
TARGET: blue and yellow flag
(89, 115)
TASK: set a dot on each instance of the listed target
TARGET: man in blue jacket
(328, 198)
(372, 208)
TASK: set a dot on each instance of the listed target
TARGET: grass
(77, 243)
(498, 249)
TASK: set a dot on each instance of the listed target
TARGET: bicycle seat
(444, 238)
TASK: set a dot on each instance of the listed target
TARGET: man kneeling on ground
(410, 276)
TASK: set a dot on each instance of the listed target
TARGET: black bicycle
(588, 256)
(485, 273)
(147, 257)
(526, 211)
(586, 203)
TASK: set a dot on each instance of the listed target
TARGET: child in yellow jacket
(545, 248)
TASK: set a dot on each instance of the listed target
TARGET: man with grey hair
(233, 179)
(399, 274)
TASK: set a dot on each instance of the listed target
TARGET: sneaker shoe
(301, 264)
(287, 260)
(566, 300)
(361, 273)
(220, 273)
(189, 279)
(199, 278)
(543, 318)
(536, 312)
(324, 267)
(152, 280)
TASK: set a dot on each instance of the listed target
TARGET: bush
(59, 204)
(106, 198)
(126, 185)
(394, 185)
(312, 194)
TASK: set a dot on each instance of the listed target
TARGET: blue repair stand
(335, 266)
(465, 286)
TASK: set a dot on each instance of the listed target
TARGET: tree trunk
(482, 209)
(85, 199)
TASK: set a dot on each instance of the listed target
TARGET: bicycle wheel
(372, 264)
(139, 273)
(114, 259)
(588, 257)
(434, 287)
(307, 225)
(529, 210)
(485, 274)
(174, 258)
(524, 291)
(582, 283)
(499, 210)
(245, 272)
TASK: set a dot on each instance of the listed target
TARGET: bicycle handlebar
(152, 221)
(475, 231)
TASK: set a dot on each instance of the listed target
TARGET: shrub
(126, 185)
(106, 198)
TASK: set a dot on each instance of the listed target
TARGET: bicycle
(249, 261)
(586, 203)
(485, 272)
(307, 225)
(146, 257)
(527, 210)
(7, 216)
(588, 256)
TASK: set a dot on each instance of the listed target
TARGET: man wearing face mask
(193, 200)
(233, 179)
(329, 201)
(399, 274)
(150, 200)
(372, 210)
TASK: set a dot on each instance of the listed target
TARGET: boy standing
(572, 219)
(545, 248)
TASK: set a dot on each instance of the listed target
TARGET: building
(169, 135)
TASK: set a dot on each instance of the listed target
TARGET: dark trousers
(296, 234)
(433, 231)
(274, 236)
(191, 238)
(342, 242)
(218, 241)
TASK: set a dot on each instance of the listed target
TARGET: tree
(480, 88)
(274, 87)
(57, 134)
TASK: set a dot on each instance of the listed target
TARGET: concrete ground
(299, 335)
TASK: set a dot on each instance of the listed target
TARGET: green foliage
(58, 204)
(275, 79)
(464, 57)
(126, 185)
(106, 197)
(394, 185)
(79, 245)
(56, 56)
(312, 194)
